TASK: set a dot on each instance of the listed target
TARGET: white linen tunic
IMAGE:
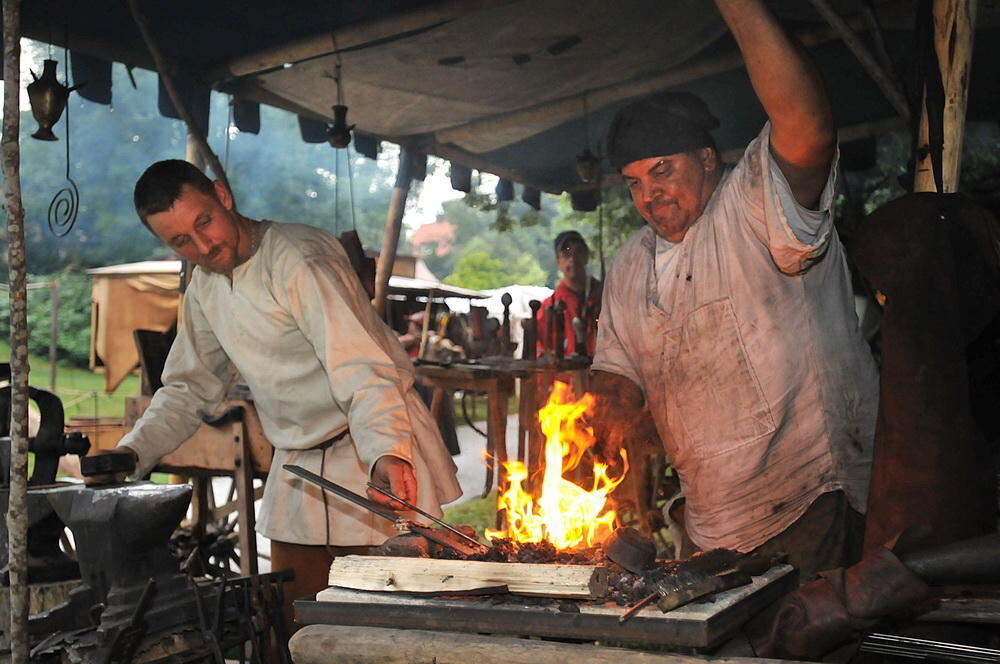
(297, 326)
(749, 354)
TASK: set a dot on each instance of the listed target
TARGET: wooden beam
(883, 79)
(354, 36)
(390, 240)
(844, 135)
(341, 644)
(443, 577)
(954, 30)
(166, 77)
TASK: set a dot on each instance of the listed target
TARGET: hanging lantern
(47, 97)
(339, 134)
(587, 165)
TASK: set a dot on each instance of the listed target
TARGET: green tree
(478, 271)
(73, 317)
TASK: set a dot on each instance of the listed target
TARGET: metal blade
(343, 492)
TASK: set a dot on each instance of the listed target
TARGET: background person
(581, 295)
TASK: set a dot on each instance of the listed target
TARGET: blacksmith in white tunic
(280, 304)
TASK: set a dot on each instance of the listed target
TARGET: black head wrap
(661, 124)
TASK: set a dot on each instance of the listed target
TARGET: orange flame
(564, 513)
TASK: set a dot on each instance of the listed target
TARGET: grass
(80, 390)
(480, 513)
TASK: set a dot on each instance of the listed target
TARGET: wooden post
(53, 331)
(954, 28)
(17, 511)
(393, 226)
(168, 83)
(243, 475)
(883, 79)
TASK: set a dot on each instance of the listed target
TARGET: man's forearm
(786, 82)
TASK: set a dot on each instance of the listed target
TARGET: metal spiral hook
(64, 207)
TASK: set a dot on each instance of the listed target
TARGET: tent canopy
(513, 87)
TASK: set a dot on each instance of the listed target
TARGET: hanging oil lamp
(587, 165)
(339, 134)
(47, 97)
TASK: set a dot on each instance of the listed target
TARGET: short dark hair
(160, 186)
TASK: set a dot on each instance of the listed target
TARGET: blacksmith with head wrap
(730, 317)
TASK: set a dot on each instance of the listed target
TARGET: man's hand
(111, 478)
(620, 417)
(396, 475)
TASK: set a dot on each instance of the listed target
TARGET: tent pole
(17, 511)
(168, 83)
(954, 29)
(393, 226)
(883, 79)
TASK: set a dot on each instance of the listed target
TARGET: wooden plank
(427, 575)
(339, 644)
(700, 625)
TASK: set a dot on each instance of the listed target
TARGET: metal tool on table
(410, 506)
(691, 584)
(451, 538)
(559, 329)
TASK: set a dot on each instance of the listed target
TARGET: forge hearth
(702, 624)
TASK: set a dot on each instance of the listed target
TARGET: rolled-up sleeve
(796, 237)
(611, 355)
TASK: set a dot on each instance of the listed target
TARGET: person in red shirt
(581, 297)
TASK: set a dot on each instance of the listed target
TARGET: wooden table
(498, 384)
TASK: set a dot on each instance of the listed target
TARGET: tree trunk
(954, 27)
(17, 512)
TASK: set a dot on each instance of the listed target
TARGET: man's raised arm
(789, 87)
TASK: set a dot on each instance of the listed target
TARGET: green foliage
(81, 390)
(274, 175)
(480, 513)
(477, 270)
(73, 317)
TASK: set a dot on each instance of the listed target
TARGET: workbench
(498, 385)
(696, 627)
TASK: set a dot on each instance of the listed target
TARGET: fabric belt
(330, 441)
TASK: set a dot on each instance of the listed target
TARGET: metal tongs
(452, 537)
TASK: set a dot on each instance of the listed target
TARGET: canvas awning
(514, 87)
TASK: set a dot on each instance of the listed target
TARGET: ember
(563, 513)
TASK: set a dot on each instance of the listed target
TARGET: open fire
(560, 511)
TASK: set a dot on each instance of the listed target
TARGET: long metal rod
(390, 494)
(922, 649)
(17, 510)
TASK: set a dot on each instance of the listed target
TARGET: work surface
(700, 625)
